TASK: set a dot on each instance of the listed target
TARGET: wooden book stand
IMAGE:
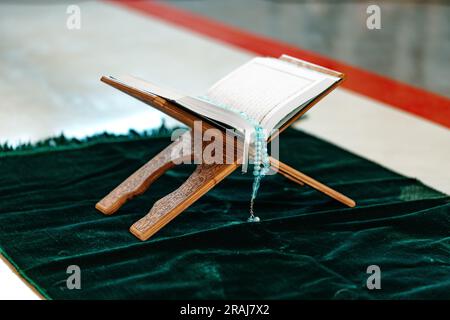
(205, 176)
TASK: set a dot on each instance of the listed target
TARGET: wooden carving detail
(164, 210)
(205, 177)
(141, 180)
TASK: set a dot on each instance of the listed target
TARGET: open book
(264, 92)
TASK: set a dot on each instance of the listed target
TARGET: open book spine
(249, 127)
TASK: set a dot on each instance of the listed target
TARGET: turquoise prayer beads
(261, 163)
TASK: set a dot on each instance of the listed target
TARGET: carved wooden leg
(204, 178)
(140, 181)
(281, 168)
(296, 175)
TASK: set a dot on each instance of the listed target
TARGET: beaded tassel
(260, 168)
(261, 161)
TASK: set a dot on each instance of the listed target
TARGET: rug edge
(22, 276)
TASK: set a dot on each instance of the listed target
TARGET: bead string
(261, 163)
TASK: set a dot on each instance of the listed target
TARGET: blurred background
(50, 73)
(412, 44)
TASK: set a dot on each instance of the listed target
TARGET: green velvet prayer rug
(306, 246)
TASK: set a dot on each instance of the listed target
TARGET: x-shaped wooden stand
(203, 179)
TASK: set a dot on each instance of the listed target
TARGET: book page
(259, 86)
(267, 90)
(146, 86)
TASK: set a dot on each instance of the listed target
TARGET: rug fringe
(63, 141)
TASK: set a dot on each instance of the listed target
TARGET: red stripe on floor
(417, 101)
